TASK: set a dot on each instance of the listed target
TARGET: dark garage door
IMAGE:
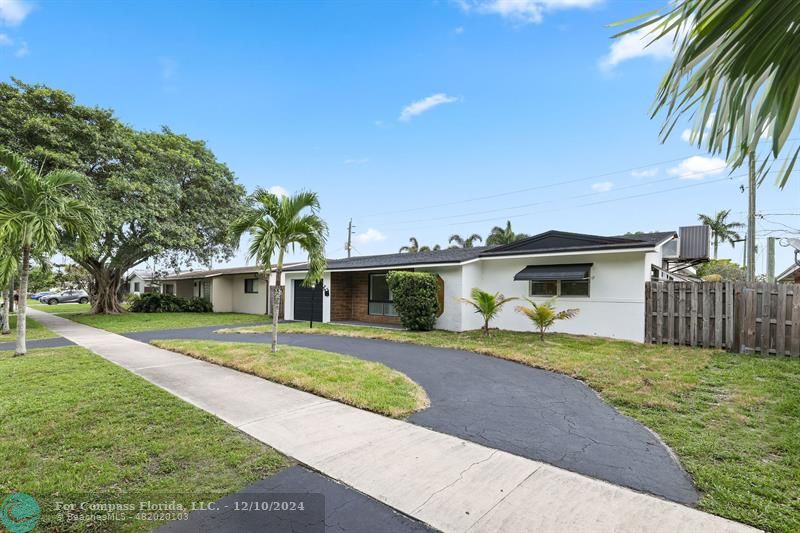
(304, 299)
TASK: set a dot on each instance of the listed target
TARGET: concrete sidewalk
(449, 483)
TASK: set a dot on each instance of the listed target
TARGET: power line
(694, 175)
(527, 189)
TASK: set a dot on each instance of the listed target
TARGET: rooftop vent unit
(694, 243)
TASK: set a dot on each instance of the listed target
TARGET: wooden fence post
(648, 313)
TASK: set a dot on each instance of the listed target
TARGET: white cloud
(698, 167)
(5, 40)
(644, 173)
(13, 12)
(369, 236)
(420, 106)
(522, 11)
(686, 135)
(634, 45)
(459, 30)
(603, 186)
(23, 50)
(356, 161)
(278, 191)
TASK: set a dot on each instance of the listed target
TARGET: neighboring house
(140, 282)
(237, 289)
(603, 277)
(790, 275)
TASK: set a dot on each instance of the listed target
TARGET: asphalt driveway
(530, 412)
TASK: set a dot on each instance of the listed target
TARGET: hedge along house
(237, 289)
(603, 277)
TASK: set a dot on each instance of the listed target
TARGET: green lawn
(60, 308)
(35, 331)
(132, 322)
(734, 420)
(356, 382)
(78, 427)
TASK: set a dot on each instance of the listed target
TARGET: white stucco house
(236, 289)
(603, 277)
(139, 282)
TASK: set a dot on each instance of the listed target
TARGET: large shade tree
(277, 226)
(160, 194)
(37, 211)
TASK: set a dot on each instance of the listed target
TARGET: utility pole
(770, 259)
(751, 218)
(349, 237)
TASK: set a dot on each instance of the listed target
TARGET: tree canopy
(160, 194)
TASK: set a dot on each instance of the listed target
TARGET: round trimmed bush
(415, 296)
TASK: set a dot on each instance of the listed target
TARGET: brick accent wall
(350, 298)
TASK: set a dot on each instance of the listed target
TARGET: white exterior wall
(614, 307)
(451, 318)
(136, 279)
(244, 302)
(221, 294)
(288, 295)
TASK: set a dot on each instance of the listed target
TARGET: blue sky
(421, 118)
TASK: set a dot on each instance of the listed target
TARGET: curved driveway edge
(534, 413)
(444, 481)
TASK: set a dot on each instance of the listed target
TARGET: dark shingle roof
(198, 274)
(562, 241)
(448, 255)
(547, 242)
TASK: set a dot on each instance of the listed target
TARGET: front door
(307, 302)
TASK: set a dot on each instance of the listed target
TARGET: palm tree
(544, 315)
(734, 69)
(487, 305)
(721, 230)
(412, 248)
(9, 264)
(278, 224)
(36, 211)
(461, 242)
(435, 248)
(506, 235)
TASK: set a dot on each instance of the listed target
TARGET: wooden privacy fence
(759, 317)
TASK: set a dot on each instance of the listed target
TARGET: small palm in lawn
(36, 211)
(721, 229)
(461, 242)
(506, 235)
(544, 315)
(487, 305)
(278, 225)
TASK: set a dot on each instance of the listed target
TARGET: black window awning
(572, 272)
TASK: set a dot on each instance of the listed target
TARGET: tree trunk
(276, 307)
(8, 295)
(716, 245)
(22, 306)
(105, 290)
(485, 328)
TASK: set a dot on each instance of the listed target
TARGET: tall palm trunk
(22, 306)
(8, 295)
(716, 244)
(276, 307)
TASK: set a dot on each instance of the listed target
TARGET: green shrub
(415, 296)
(168, 303)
